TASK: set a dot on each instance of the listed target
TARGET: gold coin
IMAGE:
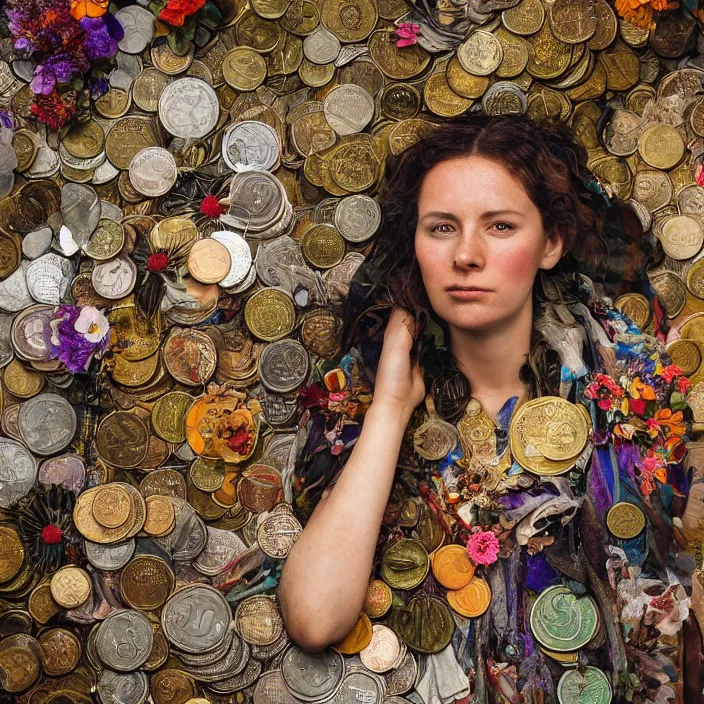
(106, 242)
(209, 261)
(452, 567)
(661, 146)
(547, 56)
(134, 374)
(170, 63)
(357, 639)
(270, 314)
(206, 474)
(61, 651)
(354, 166)
(622, 66)
(146, 582)
(161, 516)
(686, 355)
(261, 35)
(565, 659)
(441, 99)
(625, 520)
(395, 63)
(515, 54)
(606, 27)
(22, 382)
(525, 18)
(41, 605)
(70, 587)
(681, 236)
(378, 598)
(573, 21)
(11, 553)
(114, 104)
(243, 68)
(323, 246)
(350, 21)
(127, 137)
(671, 291)
(122, 439)
(172, 686)
(169, 416)
(10, 253)
(111, 506)
(636, 307)
(26, 147)
(316, 75)
(148, 87)
(470, 601)
(85, 140)
(270, 9)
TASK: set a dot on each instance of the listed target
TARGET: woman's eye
(442, 229)
(503, 226)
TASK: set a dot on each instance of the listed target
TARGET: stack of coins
(213, 205)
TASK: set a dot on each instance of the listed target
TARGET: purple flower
(21, 43)
(6, 120)
(62, 66)
(102, 36)
(68, 344)
(43, 82)
(97, 86)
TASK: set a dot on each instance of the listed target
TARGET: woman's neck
(492, 359)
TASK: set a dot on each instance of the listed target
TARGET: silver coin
(251, 143)
(211, 657)
(153, 171)
(6, 352)
(279, 410)
(245, 679)
(124, 640)
(284, 366)
(109, 557)
(80, 211)
(48, 278)
(222, 547)
(30, 333)
(196, 618)
(45, 164)
(321, 46)
(115, 278)
(277, 534)
(348, 109)
(504, 98)
(480, 54)
(240, 257)
(18, 472)
(47, 423)
(312, 676)
(139, 25)
(256, 201)
(65, 470)
(110, 211)
(271, 689)
(189, 108)
(105, 173)
(234, 662)
(123, 687)
(37, 243)
(357, 218)
(402, 679)
(359, 686)
(14, 294)
(280, 263)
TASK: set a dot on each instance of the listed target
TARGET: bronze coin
(146, 582)
(172, 687)
(61, 651)
(122, 439)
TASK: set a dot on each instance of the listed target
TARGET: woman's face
(479, 243)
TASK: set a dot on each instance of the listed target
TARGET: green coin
(562, 621)
(590, 687)
(405, 564)
(425, 624)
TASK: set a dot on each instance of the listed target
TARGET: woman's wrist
(389, 413)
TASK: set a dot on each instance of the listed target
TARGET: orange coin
(357, 639)
(378, 599)
(471, 601)
(452, 566)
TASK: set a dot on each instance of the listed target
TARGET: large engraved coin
(562, 621)
(196, 618)
(312, 676)
(405, 564)
(189, 108)
(122, 439)
(47, 423)
(124, 640)
(11, 553)
(18, 471)
(625, 520)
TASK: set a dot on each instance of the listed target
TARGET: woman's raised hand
(399, 385)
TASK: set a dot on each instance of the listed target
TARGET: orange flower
(88, 8)
(176, 11)
(639, 390)
(674, 422)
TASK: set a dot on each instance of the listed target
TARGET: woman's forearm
(325, 577)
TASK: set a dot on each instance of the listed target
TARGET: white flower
(92, 324)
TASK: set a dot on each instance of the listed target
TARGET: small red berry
(210, 207)
(157, 262)
(52, 534)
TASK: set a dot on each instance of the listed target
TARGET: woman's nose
(468, 253)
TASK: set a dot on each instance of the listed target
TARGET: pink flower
(700, 175)
(407, 34)
(483, 548)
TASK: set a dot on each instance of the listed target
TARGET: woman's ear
(553, 251)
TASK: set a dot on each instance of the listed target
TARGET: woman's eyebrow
(486, 214)
(439, 214)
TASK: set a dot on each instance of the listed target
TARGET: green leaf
(178, 43)
(189, 27)
(210, 16)
(157, 6)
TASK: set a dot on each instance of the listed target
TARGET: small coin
(404, 564)
(312, 676)
(169, 416)
(480, 54)
(284, 366)
(251, 143)
(61, 651)
(153, 171)
(109, 558)
(323, 246)
(22, 382)
(123, 687)
(682, 236)
(114, 279)
(636, 307)
(70, 587)
(625, 520)
(111, 506)
(240, 257)
(661, 146)
(190, 356)
(209, 261)
(106, 242)
(258, 621)
(161, 516)
(243, 68)
(377, 600)
(357, 218)
(277, 534)
(146, 582)
(686, 355)
(122, 439)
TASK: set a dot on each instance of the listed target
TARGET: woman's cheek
(517, 265)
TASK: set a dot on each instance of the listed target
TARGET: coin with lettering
(153, 171)
(625, 520)
(109, 558)
(681, 236)
(146, 583)
(189, 108)
(121, 439)
(277, 534)
(47, 423)
(124, 640)
(70, 587)
(284, 366)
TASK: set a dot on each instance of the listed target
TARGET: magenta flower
(483, 548)
(407, 34)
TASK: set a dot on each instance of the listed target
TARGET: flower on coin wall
(68, 39)
(640, 12)
(179, 19)
(407, 34)
(176, 11)
(483, 547)
(76, 335)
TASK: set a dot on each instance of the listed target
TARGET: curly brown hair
(551, 166)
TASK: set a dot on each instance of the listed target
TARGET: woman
(552, 428)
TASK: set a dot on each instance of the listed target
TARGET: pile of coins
(215, 207)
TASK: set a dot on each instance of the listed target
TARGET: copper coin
(259, 488)
(171, 686)
(61, 651)
(146, 583)
(190, 356)
(111, 506)
(209, 261)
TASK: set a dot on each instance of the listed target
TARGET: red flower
(637, 405)
(176, 11)
(157, 262)
(314, 395)
(670, 372)
(52, 534)
(210, 207)
(239, 441)
(54, 110)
